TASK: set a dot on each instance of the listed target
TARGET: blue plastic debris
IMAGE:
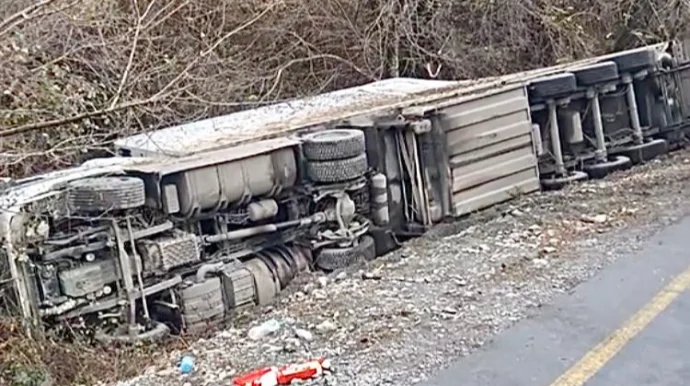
(187, 364)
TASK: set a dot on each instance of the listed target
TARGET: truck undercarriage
(164, 246)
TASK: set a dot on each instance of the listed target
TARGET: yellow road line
(596, 358)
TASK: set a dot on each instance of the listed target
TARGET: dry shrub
(76, 73)
(32, 360)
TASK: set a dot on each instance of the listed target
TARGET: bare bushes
(39, 360)
(76, 73)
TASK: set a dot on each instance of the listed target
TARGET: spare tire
(596, 74)
(338, 170)
(105, 193)
(553, 86)
(334, 144)
(635, 61)
(330, 259)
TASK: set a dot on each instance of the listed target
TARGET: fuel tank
(214, 187)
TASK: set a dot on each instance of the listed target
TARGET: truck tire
(287, 269)
(602, 169)
(635, 61)
(596, 74)
(278, 267)
(338, 170)
(553, 86)
(334, 144)
(202, 305)
(557, 183)
(106, 193)
(647, 151)
(330, 259)
(157, 333)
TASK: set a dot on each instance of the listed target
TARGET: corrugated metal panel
(484, 196)
(492, 168)
(490, 150)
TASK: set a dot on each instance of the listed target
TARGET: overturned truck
(189, 224)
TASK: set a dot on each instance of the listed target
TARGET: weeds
(38, 359)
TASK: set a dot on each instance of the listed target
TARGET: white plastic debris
(263, 330)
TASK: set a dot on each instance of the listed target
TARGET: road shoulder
(539, 349)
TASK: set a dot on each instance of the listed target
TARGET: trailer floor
(432, 308)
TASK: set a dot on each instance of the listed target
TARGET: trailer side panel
(490, 150)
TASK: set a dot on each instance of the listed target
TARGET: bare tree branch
(154, 98)
(75, 118)
(133, 51)
(20, 17)
(287, 65)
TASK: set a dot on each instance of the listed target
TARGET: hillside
(76, 73)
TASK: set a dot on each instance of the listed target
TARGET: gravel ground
(406, 315)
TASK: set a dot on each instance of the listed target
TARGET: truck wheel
(289, 267)
(202, 305)
(330, 259)
(106, 193)
(645, 152)
(561, 182)
(338, 170)
(602, 169)
(334, 144)
(159, 332)
(635, 61)
(553, 86)
(596, 74)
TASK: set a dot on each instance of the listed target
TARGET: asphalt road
(629, 325)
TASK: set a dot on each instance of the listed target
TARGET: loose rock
(263, 330)
(327, 326)
(304, 334)
(371, 276)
